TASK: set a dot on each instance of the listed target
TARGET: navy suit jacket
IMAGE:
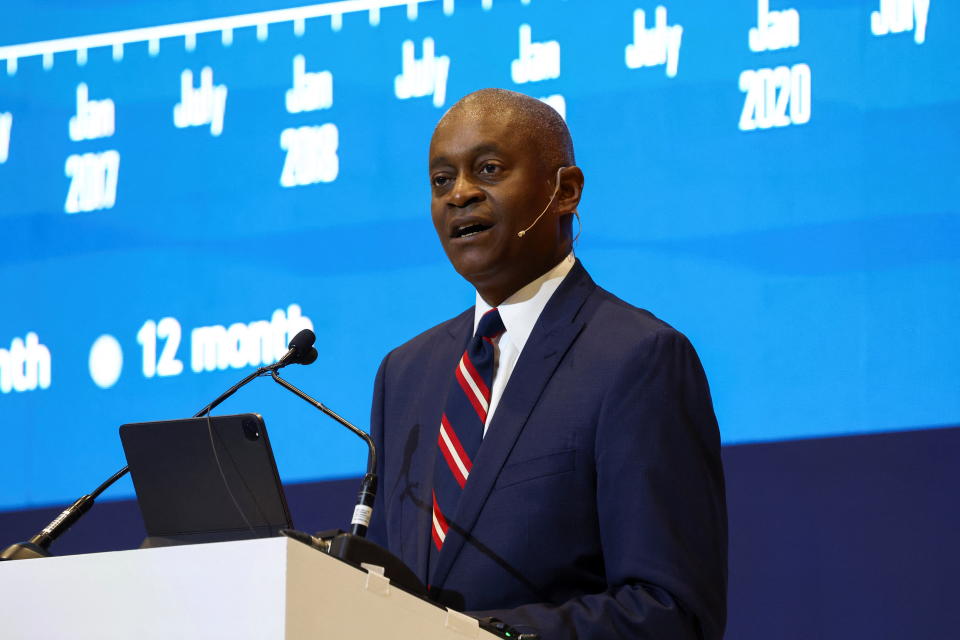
(595, 507)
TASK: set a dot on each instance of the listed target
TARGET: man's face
(487, 184)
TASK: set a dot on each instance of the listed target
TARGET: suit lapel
(440, 369)
(552, 335)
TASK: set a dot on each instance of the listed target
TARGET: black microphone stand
(38, 546)
(353, 547)
(368, 486)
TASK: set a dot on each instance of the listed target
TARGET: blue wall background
(813, 265)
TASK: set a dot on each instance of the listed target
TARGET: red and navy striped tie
(461, 426)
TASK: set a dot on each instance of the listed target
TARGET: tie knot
(491, 325)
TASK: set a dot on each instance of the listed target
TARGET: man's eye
(489, 168)
(439, 181)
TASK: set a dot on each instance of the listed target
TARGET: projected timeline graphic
(311, 150)
(157, 180)
(775, 97)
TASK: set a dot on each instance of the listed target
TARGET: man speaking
(550, 456)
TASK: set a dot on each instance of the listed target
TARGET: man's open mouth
(471, 229)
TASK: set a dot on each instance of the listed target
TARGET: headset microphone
(556, 189)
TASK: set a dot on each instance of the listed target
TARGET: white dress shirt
(519, 313)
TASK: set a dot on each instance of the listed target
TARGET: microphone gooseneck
(300, 351)
(354, 547)
(368, 486)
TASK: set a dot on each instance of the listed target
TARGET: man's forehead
(476, 130)
(476, 117)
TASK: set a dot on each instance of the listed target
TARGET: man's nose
(465, 191)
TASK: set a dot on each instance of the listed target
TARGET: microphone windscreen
(308, 357)
(302, 341)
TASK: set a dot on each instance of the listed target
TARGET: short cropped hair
(536, 119)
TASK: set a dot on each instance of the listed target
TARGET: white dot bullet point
(106, 361)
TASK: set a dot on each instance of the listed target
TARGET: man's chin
(478, 270)
(470, 260)
(473, 271)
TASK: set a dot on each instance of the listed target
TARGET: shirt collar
(520, 311)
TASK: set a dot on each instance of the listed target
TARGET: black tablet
(205, 480)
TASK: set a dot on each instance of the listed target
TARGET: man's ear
(571, 188)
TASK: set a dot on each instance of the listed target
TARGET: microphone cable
(223, 476)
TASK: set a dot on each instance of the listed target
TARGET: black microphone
(300, 351)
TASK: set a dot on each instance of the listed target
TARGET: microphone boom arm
(372, 452)
(301, 352)
(368, 487)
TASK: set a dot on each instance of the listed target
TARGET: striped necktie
(461, 426)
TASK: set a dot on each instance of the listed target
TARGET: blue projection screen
(184, 186)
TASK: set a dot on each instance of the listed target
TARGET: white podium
(258, 589)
